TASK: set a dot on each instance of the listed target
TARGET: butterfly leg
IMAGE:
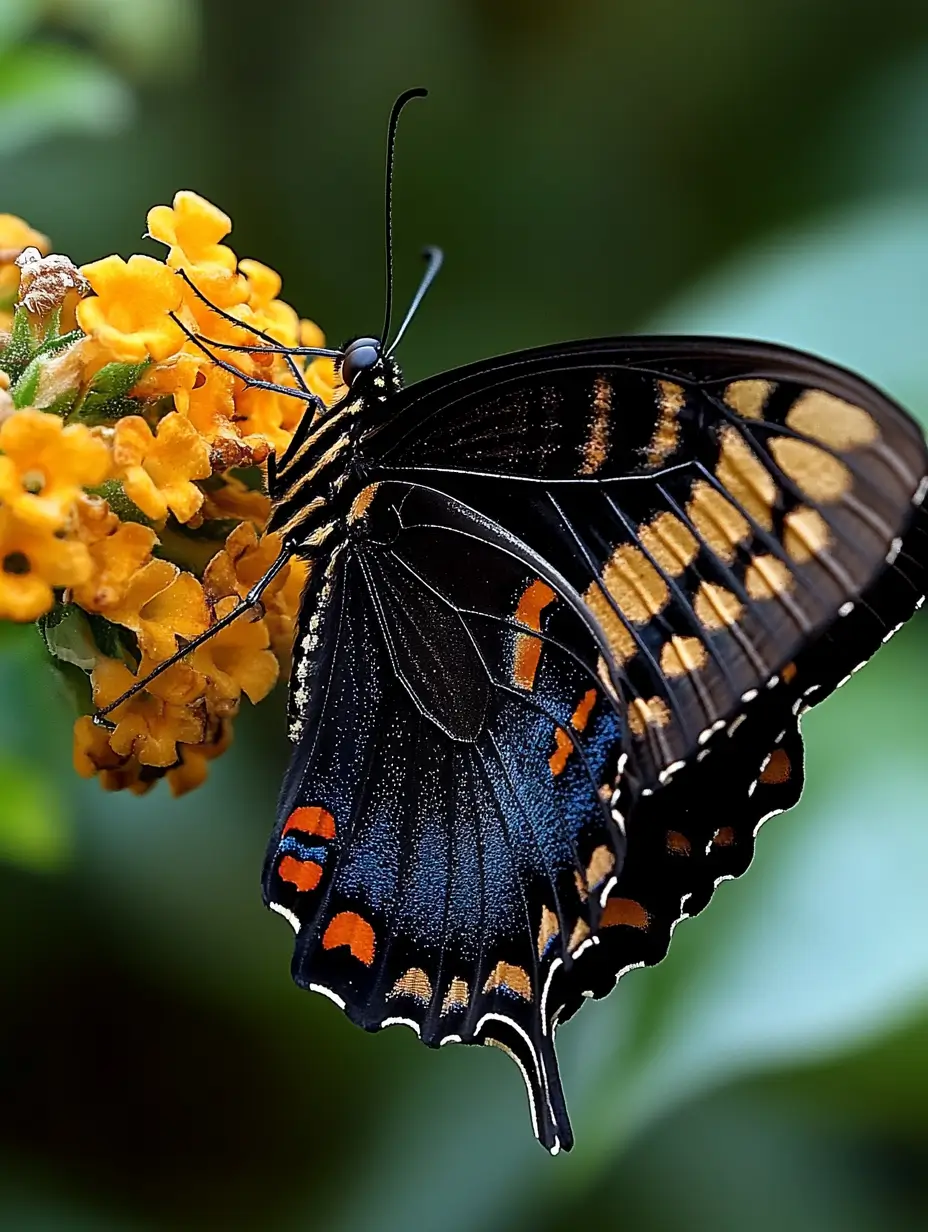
(250, 601)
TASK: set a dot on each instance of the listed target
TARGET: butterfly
(566, 610)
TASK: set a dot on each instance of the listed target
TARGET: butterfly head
(364, 366)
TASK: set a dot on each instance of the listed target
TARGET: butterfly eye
(360, 356)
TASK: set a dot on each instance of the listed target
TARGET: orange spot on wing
(348, 928)
(724, 837)
(312, 820)
(581, 715)
(304, 874)
(624, 911)
(777, 769)
(562, 750)
(563, 745)
(528, 649)
(678, 844)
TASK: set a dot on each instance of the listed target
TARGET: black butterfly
(566, 610)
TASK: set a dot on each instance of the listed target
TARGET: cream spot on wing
(670, 400)
(820, 476)
(716, 520)
(641, 713)
(748, 398)
(831, 421)
(716, 607)
(805, 534)
(766, 577)
(681, 655)
(669, 542)
(743, 475)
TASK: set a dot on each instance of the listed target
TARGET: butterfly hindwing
(445, 824)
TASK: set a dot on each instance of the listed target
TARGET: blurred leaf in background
(757, 170)
(66, 66)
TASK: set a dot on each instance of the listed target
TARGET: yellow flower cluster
(125, 454)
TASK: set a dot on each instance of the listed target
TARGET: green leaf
(34, 833)
(17, 17)
(47, 89)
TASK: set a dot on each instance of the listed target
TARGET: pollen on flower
(132, 492)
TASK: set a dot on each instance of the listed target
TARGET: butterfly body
(566, 609)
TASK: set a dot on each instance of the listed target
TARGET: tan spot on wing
(362, 502)
(725, 837)
(678, 844)
(563, 747)
(669, 542)
(778, 769)
(415, 983)
(638, 589)
(805, 534)
(508, 975)
(578, 936)
(602, 671)
(716, 607)
(670, 399)
(548, 928)
(748, 398)
(766, 577)
(624, 911)
(596, 447)
(527, 654)
(601, 864)
(742, 474)
(621, 641)
(717, 521)
(681, 655)
(582, 892)
(641, 713)
(832, 421)
(822, 477)
(456, 997)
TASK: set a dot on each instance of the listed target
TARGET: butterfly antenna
(435, 257)
(404, 98)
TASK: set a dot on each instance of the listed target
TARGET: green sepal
(18, 351)
(251, 476)
(107, 397)
(25, 390)
(63, 404)
(58, 342)
(68, 636)
(81, 639)
(126, 510)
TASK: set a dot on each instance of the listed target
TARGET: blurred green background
(590, 166)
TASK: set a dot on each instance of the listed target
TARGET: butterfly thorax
(314, 483)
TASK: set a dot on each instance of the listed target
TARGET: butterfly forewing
(549, 674)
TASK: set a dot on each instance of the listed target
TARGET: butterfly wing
(716, 505)
(438, 844)
(575, 574)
